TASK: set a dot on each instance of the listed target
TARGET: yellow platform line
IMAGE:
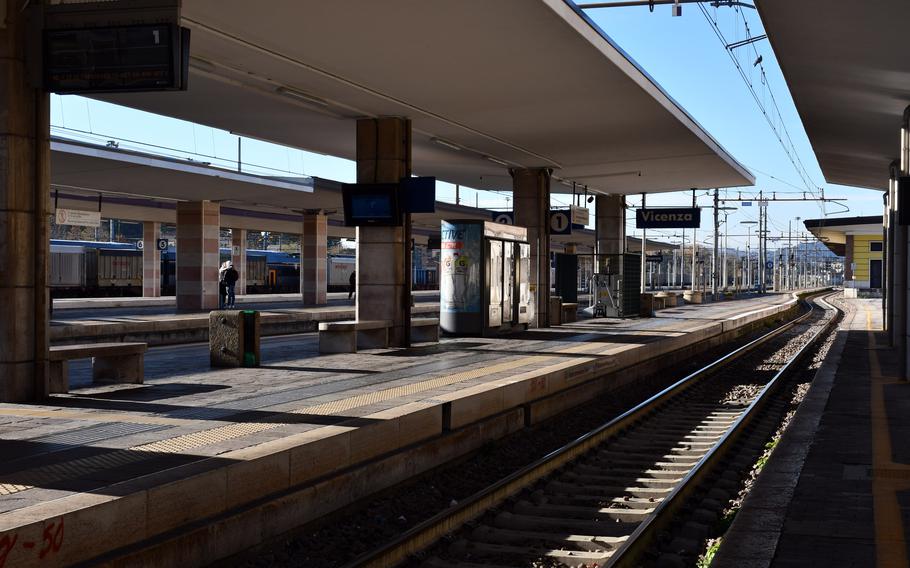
(888, 477)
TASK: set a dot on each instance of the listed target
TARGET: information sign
(580, 215)
(78, 218)
(668, 218)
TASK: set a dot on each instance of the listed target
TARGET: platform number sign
(560, 223)
(161, 244)
(504, 218)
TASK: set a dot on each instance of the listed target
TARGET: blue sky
(682, 54)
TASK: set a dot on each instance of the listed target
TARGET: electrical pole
(714, 257)
(644, 238)
(694, 243)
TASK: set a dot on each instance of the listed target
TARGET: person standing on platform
(231, 276)
(222, 286)
(352, 284)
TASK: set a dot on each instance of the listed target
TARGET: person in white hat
(230, 281)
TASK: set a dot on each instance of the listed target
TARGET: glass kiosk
(484, 284)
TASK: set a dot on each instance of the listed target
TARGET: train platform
(156, 322)
(836, 489)
(197, 464)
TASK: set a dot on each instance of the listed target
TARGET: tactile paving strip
(35, 477)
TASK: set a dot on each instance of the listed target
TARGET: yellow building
(860, 241)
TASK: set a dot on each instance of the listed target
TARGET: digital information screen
(367, 204)
(371, 206)
(144, 57)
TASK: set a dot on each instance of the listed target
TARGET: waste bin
(555, 310)
(234, 338)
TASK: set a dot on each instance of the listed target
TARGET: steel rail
(428, 532)
(640, 541)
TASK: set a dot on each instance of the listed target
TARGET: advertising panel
(460, 268)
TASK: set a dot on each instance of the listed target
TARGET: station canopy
(833, 232)
(487, 86)
(848, 71)
(140, 186)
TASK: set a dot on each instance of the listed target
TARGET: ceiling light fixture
(496, 161)
(301, 96)
(446, 143)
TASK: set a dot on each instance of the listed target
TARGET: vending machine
(484, 278)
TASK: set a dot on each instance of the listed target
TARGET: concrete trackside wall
(205, 511)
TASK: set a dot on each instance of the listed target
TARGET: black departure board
(145, 57)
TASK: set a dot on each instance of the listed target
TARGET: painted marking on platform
(888, 478)
(36, 477)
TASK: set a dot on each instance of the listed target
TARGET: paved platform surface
(836, 490)
(155, 321)
(98, 443)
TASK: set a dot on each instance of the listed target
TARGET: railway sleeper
(584, 498)
(578, 512)
(664, 436)
(590, 543)
(685, 448)
(607, 490)
(507, 553)
(683, 466)
(607, 456)
(514, 521)
(618, 481)
(625, 472)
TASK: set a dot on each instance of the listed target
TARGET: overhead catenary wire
(780, 129)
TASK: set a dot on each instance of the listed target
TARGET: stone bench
(348, 336)
(111, 362)
(670, 299)
(424, 330)
(569, 312)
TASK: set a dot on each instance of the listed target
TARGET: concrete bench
(569, 312)
(670, 299)
(348, 336)
(111, 362)
(424, 329)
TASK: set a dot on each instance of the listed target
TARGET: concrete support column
(531, 195)
(238, 257)
(890, 225)
(610, 219)
(313, 261)
(383, 283)
(151, 260)
(198, 256)
(24, 245)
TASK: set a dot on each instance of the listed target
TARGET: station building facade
(860, 240)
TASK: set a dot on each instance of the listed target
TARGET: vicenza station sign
(668, 218)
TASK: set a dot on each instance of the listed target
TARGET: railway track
(603, 499)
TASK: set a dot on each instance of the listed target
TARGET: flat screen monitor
(374, 204)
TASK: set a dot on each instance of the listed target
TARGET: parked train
(92, 269)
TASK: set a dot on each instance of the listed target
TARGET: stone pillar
(24, 226)
(313, 261)
(198, 256)
(610, 220)
(383, 292)
(890, 222)
(901, 248)
(531, 195)
(238, 257)
(151, 260)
